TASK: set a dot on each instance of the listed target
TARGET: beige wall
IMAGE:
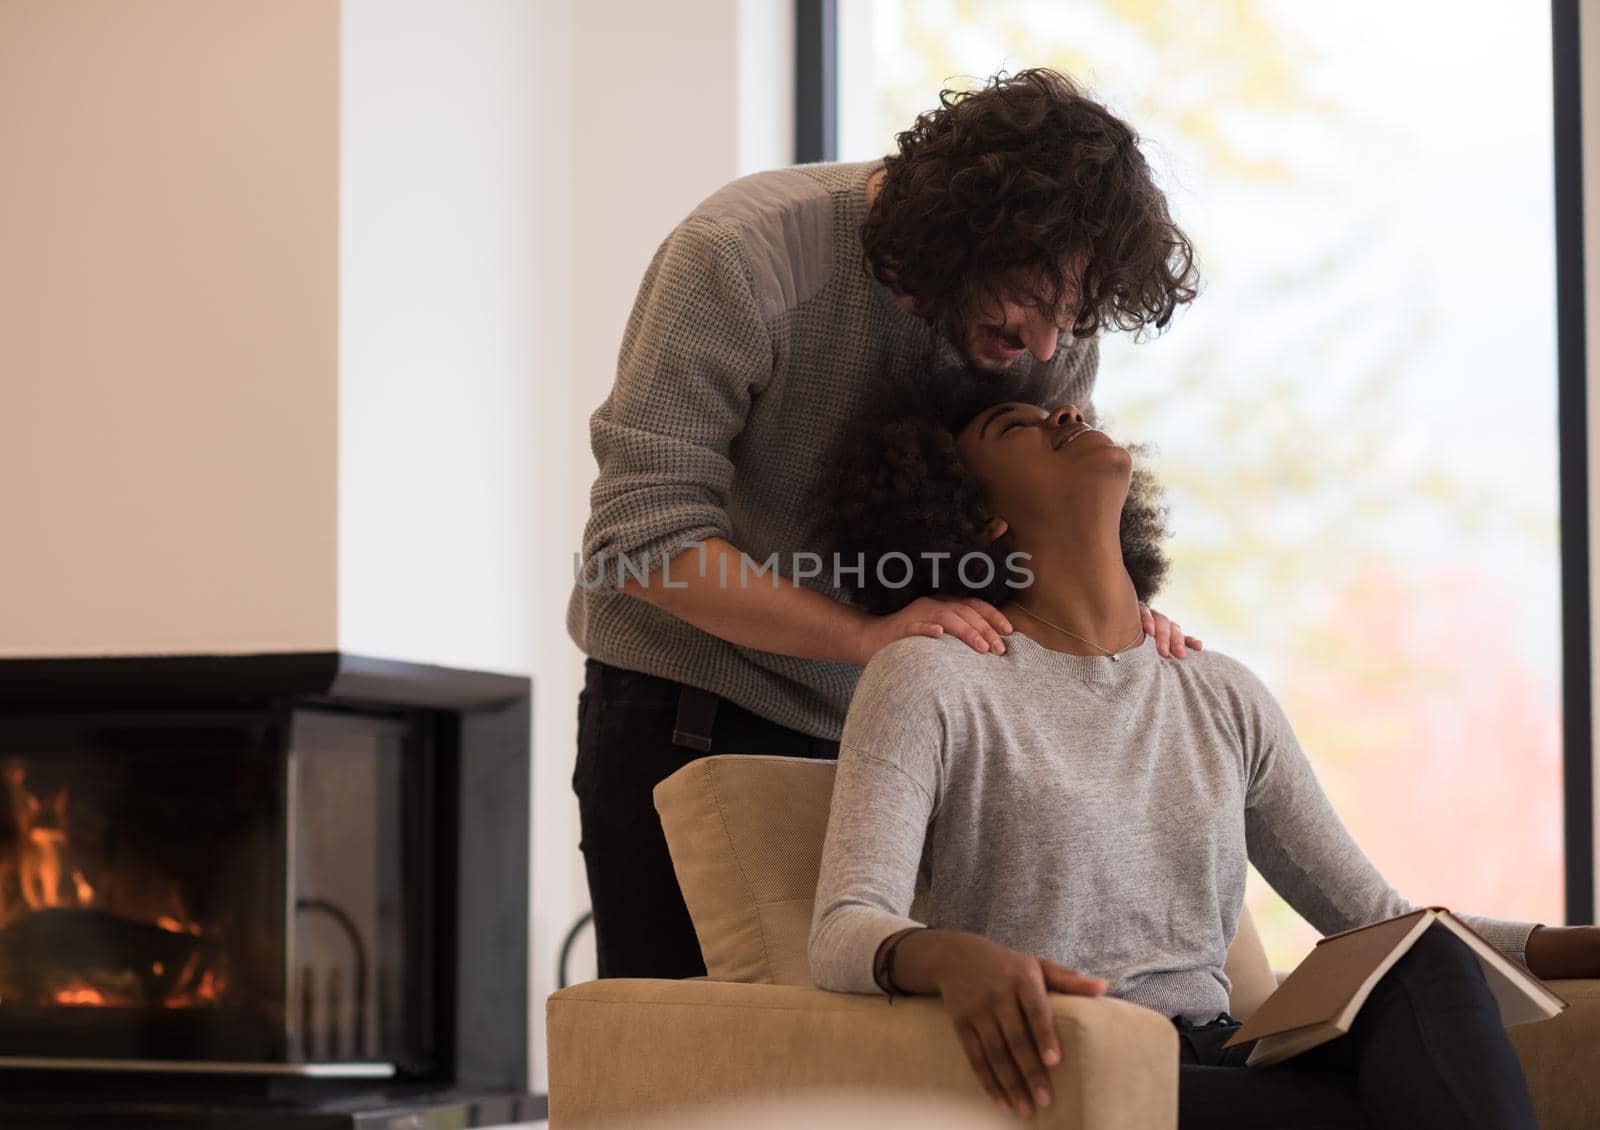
(168, 321)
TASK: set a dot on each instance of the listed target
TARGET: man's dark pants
(626, 724)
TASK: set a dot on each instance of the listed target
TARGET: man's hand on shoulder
(977, 623)
(1169, 638)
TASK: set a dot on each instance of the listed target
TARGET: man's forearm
(729, 599)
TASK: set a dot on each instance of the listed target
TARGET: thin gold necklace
(1112, 655)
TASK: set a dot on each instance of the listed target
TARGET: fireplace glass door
(215, 890)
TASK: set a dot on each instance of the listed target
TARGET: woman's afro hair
(898, 487)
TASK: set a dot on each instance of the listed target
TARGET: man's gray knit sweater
(1093, 812)
(757, 336)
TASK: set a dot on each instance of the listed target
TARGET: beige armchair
(746, 838)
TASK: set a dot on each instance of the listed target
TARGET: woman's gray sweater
(1093, 812)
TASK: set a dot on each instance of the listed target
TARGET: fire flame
(81, 995)
(42, 868)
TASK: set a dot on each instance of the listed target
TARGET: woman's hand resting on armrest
(998, 1000)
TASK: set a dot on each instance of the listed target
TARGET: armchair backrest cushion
(745, 832)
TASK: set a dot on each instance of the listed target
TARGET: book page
(1522, 997)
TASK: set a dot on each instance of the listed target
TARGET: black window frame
(816, 81)
(1572, 429)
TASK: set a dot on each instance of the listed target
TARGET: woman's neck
(1083, 589)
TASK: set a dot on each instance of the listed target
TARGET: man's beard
(965, 344)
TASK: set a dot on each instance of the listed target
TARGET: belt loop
(697, 714)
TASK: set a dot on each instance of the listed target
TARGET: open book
(1320, 999)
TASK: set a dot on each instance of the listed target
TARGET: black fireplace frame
(479, 726)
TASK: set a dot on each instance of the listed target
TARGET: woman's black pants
(626, 725)
(1426, 1050)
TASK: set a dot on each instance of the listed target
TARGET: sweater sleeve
(884, 795)
(1301, 847)
(695, 351)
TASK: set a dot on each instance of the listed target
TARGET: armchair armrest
(1561, 1058)
(623, 1047)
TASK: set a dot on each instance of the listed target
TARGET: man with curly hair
(1012, 225)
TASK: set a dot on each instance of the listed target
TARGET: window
(1357, 420)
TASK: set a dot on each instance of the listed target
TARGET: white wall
(666, 103)
(655, 116)
(441, 318)
(647, 126)
(453, 354)
(859, 139)
(561, 484)
(766, 46)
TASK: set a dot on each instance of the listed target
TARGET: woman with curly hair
(1076, 814)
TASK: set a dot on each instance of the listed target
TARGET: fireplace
(280, 890)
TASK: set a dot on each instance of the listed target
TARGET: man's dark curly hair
(898, 486)
(1001, 190)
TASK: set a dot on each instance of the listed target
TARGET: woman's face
(1044, 470)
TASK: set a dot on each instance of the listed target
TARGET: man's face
(1001, 328)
